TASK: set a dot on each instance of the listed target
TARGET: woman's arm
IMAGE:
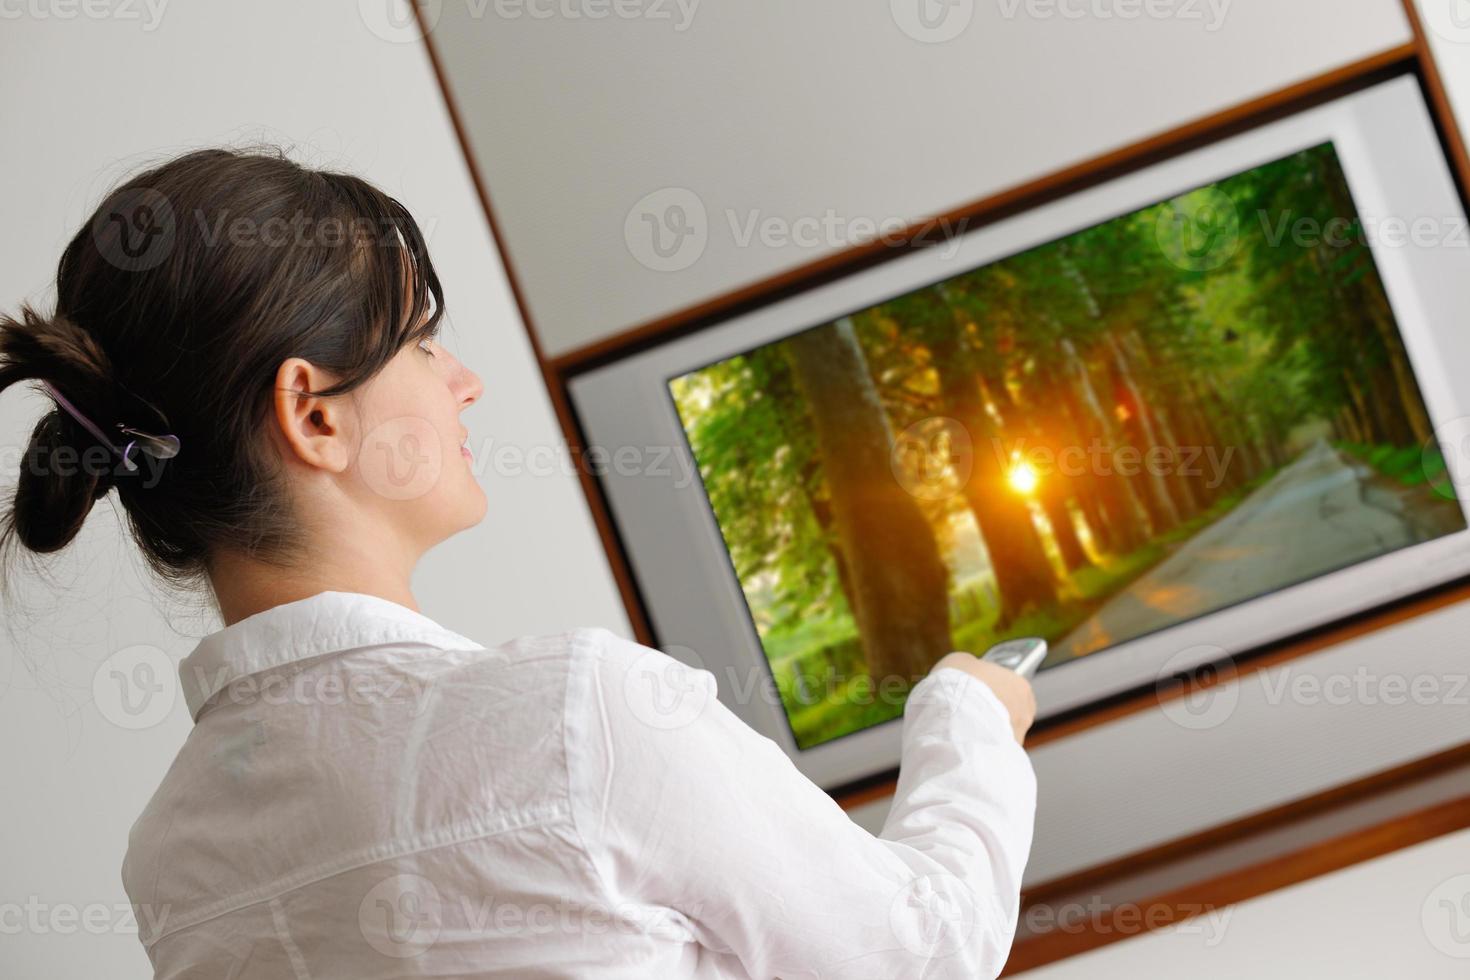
(682, 805)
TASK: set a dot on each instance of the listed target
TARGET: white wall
(821, 116)
(1400, 915)
(83, 101)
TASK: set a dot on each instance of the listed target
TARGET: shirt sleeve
(682, 805)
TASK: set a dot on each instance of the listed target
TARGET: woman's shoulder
(632, 682)
(597, 674)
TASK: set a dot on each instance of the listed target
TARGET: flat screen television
(1164, 420)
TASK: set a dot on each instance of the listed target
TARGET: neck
(243, 587)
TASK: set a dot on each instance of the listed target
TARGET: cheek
(413, 393)
(410, 439)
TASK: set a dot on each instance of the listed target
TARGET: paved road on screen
(1323, 511)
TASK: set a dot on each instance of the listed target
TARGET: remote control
(1022, 655)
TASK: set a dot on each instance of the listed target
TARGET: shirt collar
(296, 631)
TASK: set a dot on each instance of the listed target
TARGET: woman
(244, 349)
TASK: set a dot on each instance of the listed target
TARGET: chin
(479, 507)
(455, 516)
(474, 506)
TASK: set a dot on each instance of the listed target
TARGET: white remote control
(1023, 655)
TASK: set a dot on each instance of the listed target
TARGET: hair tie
(159, 447)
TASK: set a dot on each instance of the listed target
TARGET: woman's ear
(317, 430)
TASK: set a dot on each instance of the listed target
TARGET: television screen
(1148, 420)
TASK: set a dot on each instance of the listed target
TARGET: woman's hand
(1013, 690)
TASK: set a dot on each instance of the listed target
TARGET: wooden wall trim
(553, 378)
(978, 213)
(1195, 848)
(1421, 803)
(1443, 113)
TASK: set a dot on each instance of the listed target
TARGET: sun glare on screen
(1023, 478)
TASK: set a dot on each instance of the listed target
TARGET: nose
(467, 385)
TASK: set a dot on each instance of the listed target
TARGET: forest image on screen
(1171, 412)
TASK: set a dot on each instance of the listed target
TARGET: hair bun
(64, 470)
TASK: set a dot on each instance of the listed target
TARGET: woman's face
(413, 456)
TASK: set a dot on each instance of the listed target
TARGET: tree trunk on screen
(898, 583)
(1023, 575)
(822, 512)
(1059, 516)
(1230, 431)
(1157, 496)
(1161, 413)
(1073, 461)
(1374, 301)
(1127, 519)
(1053, 431)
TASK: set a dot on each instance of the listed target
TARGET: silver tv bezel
(1395, 166)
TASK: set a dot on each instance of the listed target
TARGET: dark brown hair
(176, 303)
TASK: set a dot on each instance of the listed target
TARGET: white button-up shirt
(366, 794)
